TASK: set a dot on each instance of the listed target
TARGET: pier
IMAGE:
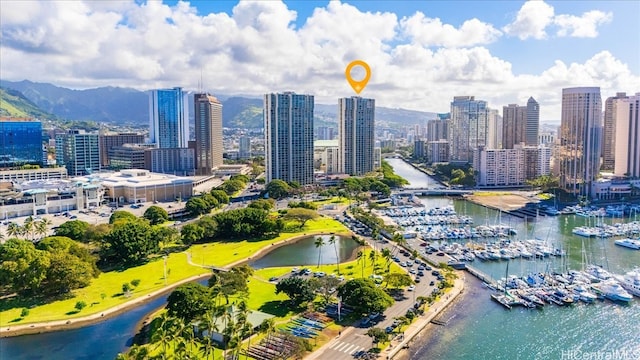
(481, 275)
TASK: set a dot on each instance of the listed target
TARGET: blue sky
(422, 53)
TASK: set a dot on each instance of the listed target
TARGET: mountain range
(130, 106)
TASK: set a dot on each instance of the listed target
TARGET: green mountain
(13, 103)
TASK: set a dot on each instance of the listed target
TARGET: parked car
(411, 288)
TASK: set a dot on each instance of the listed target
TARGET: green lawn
(225, 253)
(109, 284)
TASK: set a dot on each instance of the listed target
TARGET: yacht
(598, 272)
(613, 291)
(585, 295)
(631, 282)
(628, 243)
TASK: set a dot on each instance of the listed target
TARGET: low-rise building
(33, 174)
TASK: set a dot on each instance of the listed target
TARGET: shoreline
(91, 319)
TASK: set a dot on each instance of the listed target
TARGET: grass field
(225, 253)
(109, 284)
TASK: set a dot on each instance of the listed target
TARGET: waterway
(481, 329)
(104, 340)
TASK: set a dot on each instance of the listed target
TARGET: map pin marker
(358, 86)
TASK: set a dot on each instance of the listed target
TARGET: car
(440, 254)
(365, 321)
(273, 278)
(435, 273)
(417, 280)
(73, 217)
(389, 329)
(340, 278)
(319, 274)
(423, 244)
(411, 288)
(421, 267)
(374, 315)
(420, 273)
(428, 268)
(413, 271)
(403, 264)
(432, 283)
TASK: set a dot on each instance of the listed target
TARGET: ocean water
(479, 328)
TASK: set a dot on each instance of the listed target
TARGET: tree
(297, 289)
(386, 254)
(301, 215)
(156, 215)
(325, 285)
(377, 335)
(121, 215)
(80, 305)
(96, 233)
(364, 296)
(65, 273)
(191, 233)
(14, 230)
(319, 243)
(130, 242)
(362, 260)
(277, 189)
(189, 301)
(74, 229)
(23, 268)
(398, 280)
(29, 227)
(126, 289)
(220, 195)
(42, 227)
(197, 206)
(135, 282)
(263, 204)
(232, 186)
(228, 283)
(332, 241)
(165, 235)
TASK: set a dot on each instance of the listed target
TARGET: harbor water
(478, 328)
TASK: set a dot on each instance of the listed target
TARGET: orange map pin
(358, 85)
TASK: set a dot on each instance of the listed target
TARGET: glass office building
(20, 142)
(169, 118)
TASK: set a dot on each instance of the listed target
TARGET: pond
(304, 252)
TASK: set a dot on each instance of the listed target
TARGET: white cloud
(531, 20)
(258, 49)
(432, 32)
(582, 26)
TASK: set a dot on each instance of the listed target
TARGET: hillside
(13, 103)
(130, 106)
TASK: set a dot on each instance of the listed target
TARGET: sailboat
(503, 299)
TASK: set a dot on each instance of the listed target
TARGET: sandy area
(504, 201)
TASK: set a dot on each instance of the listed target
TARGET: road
(354, 339)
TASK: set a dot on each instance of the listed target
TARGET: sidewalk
(417, 326)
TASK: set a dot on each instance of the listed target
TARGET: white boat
(631, 282)
(628, 243)
(613, 291)
(585, 295)
(598, 272)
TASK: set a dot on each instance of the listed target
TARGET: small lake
(304, 252)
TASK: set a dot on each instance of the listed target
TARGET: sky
(421, 53)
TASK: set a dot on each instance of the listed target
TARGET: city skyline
(490, 51)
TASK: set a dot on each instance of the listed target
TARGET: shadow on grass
(16, 320)
(73, 312)
(276, 307)
(28, 301)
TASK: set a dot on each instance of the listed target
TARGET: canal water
(478, 328)
(304, 252)
(103, 341)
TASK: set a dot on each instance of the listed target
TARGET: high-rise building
(533, 123)
(468, 128)
(288, 130)
(110, 141)
(627, 134)
(419, 151)
(438, 151)
(176, 161)
(244, 151)
(609, 131)
(579, 139)
(208, 129)
(438, 129)
(79, 152)
(544, 160)
(169, 118)
(128, 156)
(520, 124)
(507, 167)
(20, 142)
(494, 130)
(356, 119)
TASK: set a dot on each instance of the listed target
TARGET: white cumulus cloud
(582, 26)
(432, 32)
(531, 21)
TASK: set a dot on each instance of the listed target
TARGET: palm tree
(361, 258)
(29, 226)
(14, 230)
(372, 258)
(268, 326)
(332, 241)
(164, 333)
(209, 320)
(319, 244)
(42, 227)
(386, 254)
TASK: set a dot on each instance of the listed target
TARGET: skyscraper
(356, 118)
(468, 129)
(533, 123)
(78, 151)
(20, 142)
(169, 118)
(208, 128)
(438, 129)
(110, 141)
(244, 147)
(520, 124)
(580, 136)
(288, 131)
(609, 136)
(627, 136)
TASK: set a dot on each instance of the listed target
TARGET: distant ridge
(125, 105)
(14, 104)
